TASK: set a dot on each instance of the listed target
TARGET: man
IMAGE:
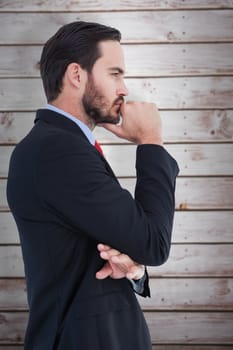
(84, 239)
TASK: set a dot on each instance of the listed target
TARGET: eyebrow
(118, 69)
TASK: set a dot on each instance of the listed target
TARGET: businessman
(85, 240)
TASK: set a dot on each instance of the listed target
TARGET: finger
(122, 259)
(104, 272)
(108, 254)
(103, 247)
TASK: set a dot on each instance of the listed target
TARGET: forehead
(112, 55)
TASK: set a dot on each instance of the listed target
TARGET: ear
(75, 75)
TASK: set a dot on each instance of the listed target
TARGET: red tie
(98, 147)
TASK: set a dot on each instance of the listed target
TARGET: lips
(119, 102)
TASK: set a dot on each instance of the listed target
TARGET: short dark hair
(73, 42)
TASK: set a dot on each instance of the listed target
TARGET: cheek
(109, 88)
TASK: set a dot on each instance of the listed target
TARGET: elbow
(157, 248)
(158, 257)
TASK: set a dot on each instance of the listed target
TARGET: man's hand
(118, 265)
(141, 123)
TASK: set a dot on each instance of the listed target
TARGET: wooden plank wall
(179, 54)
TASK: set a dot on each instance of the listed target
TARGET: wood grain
(191, 328)
(186, 260)
(189, 294)
(168, 93)
(165, 327)
(152, 26)
(167, 294)
(179, 55)
(193, 160)
(203, 227)
(189, 227)
(178, 127)
(191, 193)
(197, 260)
(106, 5)
(141, 60)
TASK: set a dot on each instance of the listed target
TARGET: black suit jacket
(65, 200)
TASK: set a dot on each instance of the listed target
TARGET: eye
(115, 74)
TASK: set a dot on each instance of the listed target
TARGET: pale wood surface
(189, 227)
(144, 61)
(179, 55)
(189, 294)
(152, 26)
(197, 260)
(168, 93)
(178, 126)
(189, 327)
(193, 160)
(191, 193)
(106, 5)
(192, 328)
(198, 193)
(185, 260)
(180, 294)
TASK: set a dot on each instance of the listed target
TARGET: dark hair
(74, 42)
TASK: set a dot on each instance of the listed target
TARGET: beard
(97, 107)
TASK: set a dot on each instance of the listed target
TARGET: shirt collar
(87, 132)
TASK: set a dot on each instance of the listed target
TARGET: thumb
(104, 272)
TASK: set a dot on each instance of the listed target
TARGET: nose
(122, 90)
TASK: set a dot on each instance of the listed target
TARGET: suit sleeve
(74, 184)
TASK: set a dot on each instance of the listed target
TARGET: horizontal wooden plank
(13, 294)
(197, 260)
(152, 26)
(197, 193)
(8, 229)
(189, 294)
(13, 327)
(15, 125)
(185, 260)
(193, 160)
(20, 347)
(178, 126)
(167, 294)
(141, 61)
(189, 227)
(106, 5)
(165, 327)
(191, 193)
(191, 328)
(14, 347)
(202, 227)
(168, 93)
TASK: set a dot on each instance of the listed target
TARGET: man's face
(105, 88)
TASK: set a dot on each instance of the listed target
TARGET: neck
(77, 113)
